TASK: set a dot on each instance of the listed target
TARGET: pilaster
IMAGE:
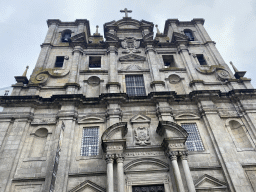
(113, 84)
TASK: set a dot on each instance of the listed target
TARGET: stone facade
(141, 140)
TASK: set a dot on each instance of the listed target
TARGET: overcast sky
(230, 23)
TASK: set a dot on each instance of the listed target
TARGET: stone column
(189, 179)
(120, 172)
(173, 157)
(110, 174)
(113, 85)
(72, 85)
(172, 27)
(153, 65)
(183, 50)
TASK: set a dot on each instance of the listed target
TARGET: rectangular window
(194, 141)
(135, 85)
(168, 61)
(148, 188)
(90, 141)
(201, 59)
(59, 61)
(94, 62)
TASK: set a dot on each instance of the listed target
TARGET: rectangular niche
(168, 61)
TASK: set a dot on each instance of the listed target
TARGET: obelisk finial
(97, 27)
(158, 32)
(235, 69)
(25, 72)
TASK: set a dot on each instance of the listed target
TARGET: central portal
(148, 188)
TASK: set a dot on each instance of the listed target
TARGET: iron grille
(150, 188)
(90, 142)
(194, 141)
(135, 85)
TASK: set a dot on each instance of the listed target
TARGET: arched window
(239, 134)
(189, 34)
(65, 36)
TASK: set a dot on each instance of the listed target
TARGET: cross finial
(126, 11)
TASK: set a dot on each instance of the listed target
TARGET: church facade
(129, 112)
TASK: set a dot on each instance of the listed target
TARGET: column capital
(78, 49)
(119, 158)
(110, 158)
(183, 155)
(112, 49)
(149, 48)
(173, 155)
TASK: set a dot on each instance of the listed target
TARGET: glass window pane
(90, 141)
(135, 85)
(194, 141)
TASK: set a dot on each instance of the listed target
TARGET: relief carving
(142, 136)
(131, 45)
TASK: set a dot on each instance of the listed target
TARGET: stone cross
(126, 11)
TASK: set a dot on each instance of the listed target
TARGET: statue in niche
(131, 45)
(142, 136)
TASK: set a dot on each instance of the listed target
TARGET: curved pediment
(169, 129)
(186, 116)
(88, 186)
(114, 132)
(146, 164)
(91, 119)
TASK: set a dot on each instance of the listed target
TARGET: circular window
(42, 132)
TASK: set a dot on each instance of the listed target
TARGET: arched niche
(39, 142)
(239, 135)
(115, 132)
(168, 129)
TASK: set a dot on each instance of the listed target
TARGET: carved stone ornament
(142, 136)
(174, 79)
(94, 81)
(41, 76)
(223, 74)
(132, 57)
(131, 45)
(206, 69)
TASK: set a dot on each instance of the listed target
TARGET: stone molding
(213, 183)
(139, 118)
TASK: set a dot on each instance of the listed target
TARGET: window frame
(94, 68)
(82, 140)
(200, 60)
(59, 62)
(192, 38)
(133, 75)
(198, 135)
(173, 64)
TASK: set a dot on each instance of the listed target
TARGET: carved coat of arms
(142, 136)
(131, 45)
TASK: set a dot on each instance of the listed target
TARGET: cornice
(171, 96)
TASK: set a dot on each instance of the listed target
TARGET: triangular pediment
(133, 68)
(88, 186)
(132, 57)
(207, 182)
(91, 119)
(140, 119)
